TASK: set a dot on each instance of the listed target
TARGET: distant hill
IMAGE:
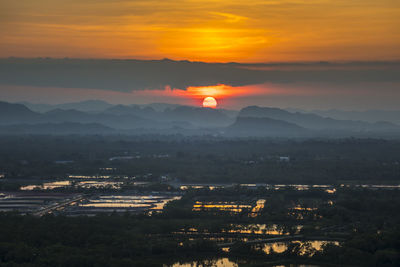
(41, 108)
(161, 106)
(141, 111)
(111, 120)
(119, 117)
(202, 117)
(155, 115)
(12, 113)
(87, 106)
(252, 126)
(313, 121)
(181, 115)
(367, 115)
(57, 129)
(19, 114)
(251, 121)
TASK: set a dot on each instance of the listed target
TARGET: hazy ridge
(91, 117)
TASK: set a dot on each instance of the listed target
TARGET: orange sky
(195, 95)
(210, 30)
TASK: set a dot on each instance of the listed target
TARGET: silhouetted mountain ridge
(10, 113)
(120, 116)
(253, 126)
(313, 121)
(57, 129)
(196, 117)
(373, 115)
(252, 120)
(86, 106)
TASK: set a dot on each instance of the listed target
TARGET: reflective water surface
(126, 201)
(279, 247)
(234, 207)
(262, 229)
(46, 186)
(224, 262)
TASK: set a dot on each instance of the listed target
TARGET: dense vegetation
(205, 159)
(365, 220)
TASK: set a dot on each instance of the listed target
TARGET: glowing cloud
(252, 31)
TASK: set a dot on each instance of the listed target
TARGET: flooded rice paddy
(41, 203)
(229, 206)
(46, 186)
(261, 229)
(223, 262)
(76, 184)
(31, 202)
(121, 203)
(314, 245)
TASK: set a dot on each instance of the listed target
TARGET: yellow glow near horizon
(207, 30)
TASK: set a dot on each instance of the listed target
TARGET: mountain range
(372, 115)
(314, 121)
(100, 117)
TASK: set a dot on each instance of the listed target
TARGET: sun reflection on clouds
(217, 91)
(194, 95)
(296, 95)
(207, 30)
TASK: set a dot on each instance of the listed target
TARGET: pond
(46, 186)
(280, 247)
(97, 204)
(223, 262)
(230, 206)
(263, 229)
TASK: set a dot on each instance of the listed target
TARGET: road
(267, 240)
(53, 207)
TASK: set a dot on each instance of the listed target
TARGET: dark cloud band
(129, 75)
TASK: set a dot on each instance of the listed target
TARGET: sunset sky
(208, 31)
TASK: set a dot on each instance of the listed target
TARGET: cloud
(129, 75)
(206, 30)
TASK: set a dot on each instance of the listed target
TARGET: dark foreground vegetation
(359, 223)
(204, 159)
(366, 223)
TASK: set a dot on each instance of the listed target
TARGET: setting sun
(209, 102)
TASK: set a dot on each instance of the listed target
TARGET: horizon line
(299, 62)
